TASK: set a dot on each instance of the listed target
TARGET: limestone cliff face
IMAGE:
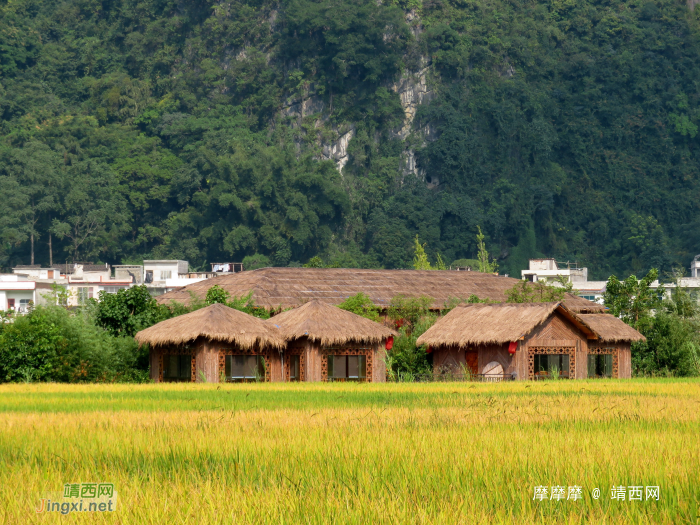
(413, 90)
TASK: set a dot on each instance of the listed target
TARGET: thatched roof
(475, 324)
(292, 287)
(329, 325)
(216, 323)
(610, 329)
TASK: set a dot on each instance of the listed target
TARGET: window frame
(540, 373)
(184, 360)
(361, 367)
(608, 360)
(260, 365)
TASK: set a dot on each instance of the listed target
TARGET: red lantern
(512, 347)
(428, 350)
(389, 343)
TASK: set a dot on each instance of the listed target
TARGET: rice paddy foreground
(356, 453)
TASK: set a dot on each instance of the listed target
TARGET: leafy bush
(52, 344)
(361, 304)
(128, 311)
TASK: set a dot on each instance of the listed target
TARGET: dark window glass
(294, 368)
(244, 368)
(547, 364)
(344, 367)
(600, 365)
(177, 367)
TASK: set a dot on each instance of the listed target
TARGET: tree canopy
(208, 131)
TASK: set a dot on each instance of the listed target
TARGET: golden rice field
(354, 453)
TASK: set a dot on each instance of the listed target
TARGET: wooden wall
(559, 332)
(313, 362)
(625, 361)
(206, 362)
(274, 363)
(378, 364)
(449, 358)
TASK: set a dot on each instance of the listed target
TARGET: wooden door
(473, 362)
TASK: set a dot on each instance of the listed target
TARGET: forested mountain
(214, 131)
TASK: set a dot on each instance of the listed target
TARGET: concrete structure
(18, 294)
(162, 276)
(551, 271)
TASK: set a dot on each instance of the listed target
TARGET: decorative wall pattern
(533, 350)
(367, 352)
(609, 350)
(302, 363)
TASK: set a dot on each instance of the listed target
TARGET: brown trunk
(32, 242)
(50, 253)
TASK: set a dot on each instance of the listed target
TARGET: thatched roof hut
(483, 324)
(610, 329)
(275, 288)
(215, 323)
(328, 325)
(480, 324)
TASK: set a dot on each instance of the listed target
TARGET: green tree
(486, 265)
(128, 311)
(539, 292)
(420, 258)
(633, 300)
(361, 304)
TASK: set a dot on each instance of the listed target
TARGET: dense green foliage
(669, 320)
(128, 311)
(152, 129)
(51, 344)
(361, 304)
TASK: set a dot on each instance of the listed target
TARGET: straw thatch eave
(328, 325)
(214, 323)
(610, 329)
(481, 324)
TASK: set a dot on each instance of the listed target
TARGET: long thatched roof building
(214, 323)
(279, 288)
(329, 325)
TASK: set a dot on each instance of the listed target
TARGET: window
(243, 368)
(165, 274)
(177, 367)
(347, 367)
(589, 297)
(24, 305)
(149, 276)
(600, 365)
(83, 295)
(114, 289)
(294, 370)
(547, 364)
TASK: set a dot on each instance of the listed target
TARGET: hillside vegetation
(204, 131)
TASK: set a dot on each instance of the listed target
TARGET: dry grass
(610, 329)
(344, 453)
(328, 325)
(216, 323)
(276, 288)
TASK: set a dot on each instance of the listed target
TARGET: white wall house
(550, 271)
(16, 295)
